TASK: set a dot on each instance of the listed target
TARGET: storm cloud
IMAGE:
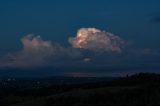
(96, 40)
(38, 52)
(91, 47)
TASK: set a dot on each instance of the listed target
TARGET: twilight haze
(79, 37)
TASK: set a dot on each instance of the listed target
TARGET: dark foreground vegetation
(137, 90)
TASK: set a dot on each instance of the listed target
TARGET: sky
(135, 26)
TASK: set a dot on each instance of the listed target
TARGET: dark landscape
(79, 52)
(141, 89)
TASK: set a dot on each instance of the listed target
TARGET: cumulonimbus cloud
(92, 52)
(96, 40)
(34, 45)
(38, 52)
(35, 51)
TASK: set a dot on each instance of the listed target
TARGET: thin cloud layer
(96, 40)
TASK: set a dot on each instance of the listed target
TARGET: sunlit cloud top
(96, 40)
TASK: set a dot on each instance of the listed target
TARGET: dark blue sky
(137, 20)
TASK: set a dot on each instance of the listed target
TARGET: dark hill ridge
(141, 89)
(138, 79)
